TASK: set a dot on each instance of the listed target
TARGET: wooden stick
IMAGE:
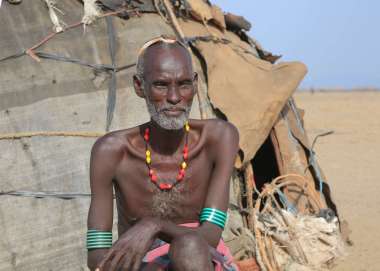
(250, 184)
(30, 51)
(239, 197)
(178, 29)
(55, 133)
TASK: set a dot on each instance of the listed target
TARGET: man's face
(169, 85)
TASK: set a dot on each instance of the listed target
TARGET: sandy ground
(351, 160)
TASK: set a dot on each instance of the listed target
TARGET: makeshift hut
(66, 79)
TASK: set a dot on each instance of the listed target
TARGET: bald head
(162, 52)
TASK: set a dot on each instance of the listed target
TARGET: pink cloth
(222, 249)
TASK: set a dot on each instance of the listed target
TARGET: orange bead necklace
(182, 167)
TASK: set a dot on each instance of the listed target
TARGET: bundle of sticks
(291, 239)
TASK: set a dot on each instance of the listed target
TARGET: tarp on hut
(56, 94)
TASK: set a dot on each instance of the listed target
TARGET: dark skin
(118, 160)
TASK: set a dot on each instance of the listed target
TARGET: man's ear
(138, 84)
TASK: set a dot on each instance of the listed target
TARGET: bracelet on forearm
(98, 239)
(214, 216)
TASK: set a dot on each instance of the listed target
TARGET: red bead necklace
(182, 167)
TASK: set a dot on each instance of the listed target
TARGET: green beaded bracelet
(208, 218)
(219, 223)
(213, 211)
(214, 216)
(98, 239)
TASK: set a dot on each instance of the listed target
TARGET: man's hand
(129, 251)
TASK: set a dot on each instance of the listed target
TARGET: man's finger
(115, 261)
(137, 263)
(127, 262)
(105, 259)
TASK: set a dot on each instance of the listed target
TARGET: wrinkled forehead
(167, 58)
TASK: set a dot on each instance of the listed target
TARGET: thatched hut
(59, 91)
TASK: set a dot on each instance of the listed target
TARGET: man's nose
(173, 95)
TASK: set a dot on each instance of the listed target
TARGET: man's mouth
(173, 112)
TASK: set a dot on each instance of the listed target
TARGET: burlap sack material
(250, 92)
(200, 10)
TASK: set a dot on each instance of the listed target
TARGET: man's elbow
(94, 258)
(91, 264)
(213, 242)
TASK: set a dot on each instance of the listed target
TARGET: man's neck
(164, 141)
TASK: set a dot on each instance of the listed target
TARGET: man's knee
(152, 267)
(190, 252)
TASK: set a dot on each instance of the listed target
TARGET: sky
(338, 40)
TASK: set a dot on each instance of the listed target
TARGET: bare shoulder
(113, 144)
(221, 131)
(218, 133)
(222, 139)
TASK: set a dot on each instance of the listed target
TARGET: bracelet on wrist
(214, 216)
(98, 239)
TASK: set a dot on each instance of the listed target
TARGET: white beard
(169, 123)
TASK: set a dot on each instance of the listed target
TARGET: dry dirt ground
(350, 158)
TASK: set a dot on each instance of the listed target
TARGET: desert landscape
(350, 159)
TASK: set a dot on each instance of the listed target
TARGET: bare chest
(138, 196)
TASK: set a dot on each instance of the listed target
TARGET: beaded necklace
(182, 168)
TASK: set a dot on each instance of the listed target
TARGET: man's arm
(131, 247)
(105, 157)
(224, 145)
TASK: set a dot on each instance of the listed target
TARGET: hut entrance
(264, 164)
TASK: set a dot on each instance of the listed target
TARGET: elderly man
(170, 176)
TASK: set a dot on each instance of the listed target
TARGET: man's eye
(186, 84)
(160, 85)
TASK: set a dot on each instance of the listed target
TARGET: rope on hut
(97, 67)
(46, 194)
(55, 133)
(312, 161)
